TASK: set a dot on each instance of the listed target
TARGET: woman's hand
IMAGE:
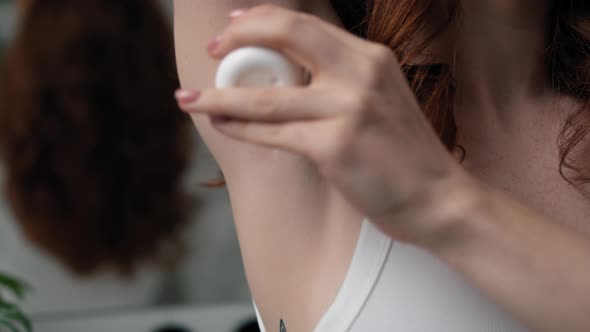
(357, 121)
(360, 123)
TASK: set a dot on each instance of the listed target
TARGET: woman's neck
(500, 52)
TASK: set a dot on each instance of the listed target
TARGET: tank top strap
(365, 268)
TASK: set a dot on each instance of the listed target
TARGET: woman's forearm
(536, 269)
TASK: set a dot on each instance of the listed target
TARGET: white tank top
(391, 286)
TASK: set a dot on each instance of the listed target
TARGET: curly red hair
(94, 144)
(400, 23)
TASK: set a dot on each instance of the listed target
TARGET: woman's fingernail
(214, 44)
(184, 96)
(237, 13)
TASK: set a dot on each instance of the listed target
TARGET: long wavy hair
(92, 140)
(399, 24)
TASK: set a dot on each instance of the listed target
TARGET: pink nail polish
(237, 13)
(214, 44)
(184, 96)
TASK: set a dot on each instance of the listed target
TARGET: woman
(506, 234)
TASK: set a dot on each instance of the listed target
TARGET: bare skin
(509, 117)
(297, 233)
(293, 244)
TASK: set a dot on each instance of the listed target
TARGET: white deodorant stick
(258, 67)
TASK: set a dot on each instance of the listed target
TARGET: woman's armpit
(196, 22)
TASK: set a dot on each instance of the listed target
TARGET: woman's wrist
(455, 207)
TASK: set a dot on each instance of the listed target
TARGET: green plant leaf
(12, 318)
(15, 286)
(10, 312)
(21, 319)
(8, 325)
(4, 306)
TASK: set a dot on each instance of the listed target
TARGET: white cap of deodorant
(258, 67)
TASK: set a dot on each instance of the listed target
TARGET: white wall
(7, 20)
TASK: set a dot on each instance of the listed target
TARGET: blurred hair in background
(93, 144)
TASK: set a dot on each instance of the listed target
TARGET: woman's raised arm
(289, 220)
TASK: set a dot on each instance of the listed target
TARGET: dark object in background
(353, 14)
(249, 326)
(173, 328)
(91, 136)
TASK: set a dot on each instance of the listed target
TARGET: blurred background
(207, 287)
